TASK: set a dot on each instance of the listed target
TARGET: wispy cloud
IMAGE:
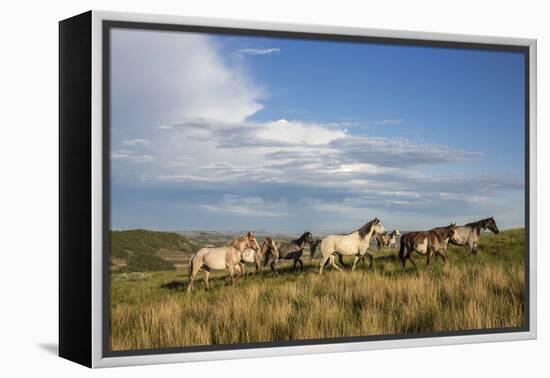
(253, 51)
(131, 156)
(136, 142)
(390, 121)
(248, 206)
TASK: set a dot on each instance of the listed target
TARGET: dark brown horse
(426, 243)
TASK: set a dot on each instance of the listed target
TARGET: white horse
(393, 238)
(219, 258)
(353, 244)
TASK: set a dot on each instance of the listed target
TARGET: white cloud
(249, 206)
(299, 133)
(136, 142)
(131, 156)
(252, 51)
(171, 76)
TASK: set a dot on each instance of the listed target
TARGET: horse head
(271, 247)
(451, 231)
(306, 237)
(252, 242)
(378, 227)
(492, 225)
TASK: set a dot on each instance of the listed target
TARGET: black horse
(293, 250)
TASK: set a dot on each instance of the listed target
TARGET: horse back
(344, 244)
(215, 258)
(462, 235)
(417, 241)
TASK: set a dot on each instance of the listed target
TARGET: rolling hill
(143, 250)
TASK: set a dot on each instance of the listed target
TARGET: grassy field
(470, 292)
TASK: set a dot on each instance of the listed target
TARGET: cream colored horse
(219, 258)
(353, 244)
(268, 251)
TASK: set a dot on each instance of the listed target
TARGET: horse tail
(312, 248)
(190, 267)
(401, 250)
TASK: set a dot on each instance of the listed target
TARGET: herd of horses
(245, 249)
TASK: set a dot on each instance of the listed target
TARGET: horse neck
(443, 237)
(370, 233)
(242, 245)
(263, 249)
(478, 226)
(369, 236)
(301, 241)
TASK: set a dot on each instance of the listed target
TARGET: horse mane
(236, 243)
(439, 230)
(479, 225)
(301, 238)
(364, 230)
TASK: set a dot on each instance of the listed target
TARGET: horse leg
(294, 264)
(403, 254)
(333, 262)
(191, 286)
(231, 269)
(371, 258)
(301, 264)
(206, 275)
(324, 261)
(354, 263)
(193, 271)
(341, 260)
(258, 264)
(241, 267)
(272, 265)
(411, 260)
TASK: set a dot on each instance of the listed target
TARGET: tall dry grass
(485, 291)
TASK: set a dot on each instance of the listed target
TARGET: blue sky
(219, 132)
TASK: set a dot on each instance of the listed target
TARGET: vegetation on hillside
(141, 250)
(469, 292)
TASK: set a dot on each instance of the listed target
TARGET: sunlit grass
(470, 292)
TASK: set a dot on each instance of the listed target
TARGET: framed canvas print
(234, 189)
